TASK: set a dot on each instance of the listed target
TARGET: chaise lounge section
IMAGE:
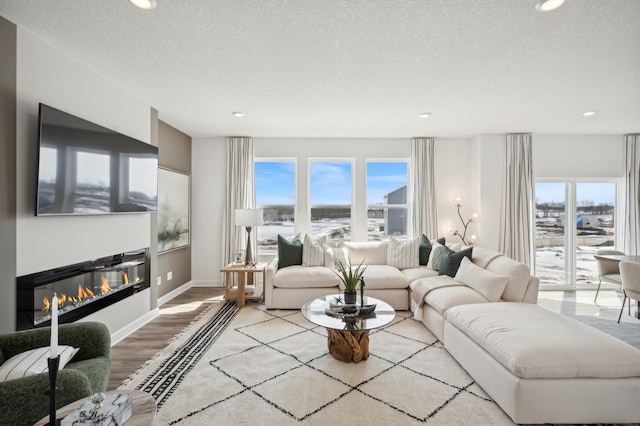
(543, 367)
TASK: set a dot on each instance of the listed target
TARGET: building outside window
(387, 207)
(275, 182)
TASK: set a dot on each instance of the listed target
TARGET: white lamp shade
(249, 217)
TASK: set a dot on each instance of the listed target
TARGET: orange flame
(104, 288)
(46, 304)
(125, 278)
(84, 293)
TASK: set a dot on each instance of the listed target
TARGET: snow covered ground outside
(550, 251)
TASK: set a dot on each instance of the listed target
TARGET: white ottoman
(543, 367)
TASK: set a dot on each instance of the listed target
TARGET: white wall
(46, 75)
(454, 159)
(585, 156)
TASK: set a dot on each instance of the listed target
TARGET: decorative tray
(350, 311)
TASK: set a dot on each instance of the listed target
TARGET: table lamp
(249, 218)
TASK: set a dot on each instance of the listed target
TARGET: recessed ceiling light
(144, 4)
(238, 114)
(549, 5)
(424, 115)
(588, 113)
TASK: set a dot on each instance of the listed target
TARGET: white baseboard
(135, 325)
(207, 283)
(149, 316)
(174, 293)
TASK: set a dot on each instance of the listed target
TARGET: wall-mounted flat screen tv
(86, 169)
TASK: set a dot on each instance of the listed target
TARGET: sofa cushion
(404, 253)
(483, 256)
(518, 274)
(425, 248)
(413, 274)
(33, 361)
(298, 276)
(313, 251)
(533, 342)
(487, 283)
(442, 299)
(383, 277)
(335, 255)
(372, 252)
(450, 260)
(289, 252)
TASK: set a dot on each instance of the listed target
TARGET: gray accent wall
(8, 225)
(175, 154)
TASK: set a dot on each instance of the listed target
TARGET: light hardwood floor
(130, 353)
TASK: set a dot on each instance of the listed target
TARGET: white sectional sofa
(539, 366)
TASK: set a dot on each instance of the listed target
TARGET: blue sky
(598, 192)
(330, 181)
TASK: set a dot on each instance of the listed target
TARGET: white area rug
(253, 366)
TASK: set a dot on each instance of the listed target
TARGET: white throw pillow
(33, 362)
(333, 255)
(404, 254)
(487, 283)
(313, 251)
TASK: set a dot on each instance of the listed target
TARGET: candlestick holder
(53, 363)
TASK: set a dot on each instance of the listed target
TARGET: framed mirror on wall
(173, 210)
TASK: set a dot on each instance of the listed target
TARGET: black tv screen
(85, 169)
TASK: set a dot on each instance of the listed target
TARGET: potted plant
(350, 278)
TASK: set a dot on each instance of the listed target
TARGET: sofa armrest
(272, 268)
(531, 292)
(92, 338)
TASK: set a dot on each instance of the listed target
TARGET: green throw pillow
(425, 248)
(289, 252)
(450, 261)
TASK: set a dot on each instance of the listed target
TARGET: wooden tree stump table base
(348, 346)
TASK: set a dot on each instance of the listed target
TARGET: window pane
(384, 222)
(386, 182)
(277, 220)
(275, 193)
(595, 212)
(386, 185)
(275, 182)
(330, 183)
(331, 200)
(550, 234)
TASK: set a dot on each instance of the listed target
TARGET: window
(330, 195)
(573, 220)
(275, 182)
(386, 199)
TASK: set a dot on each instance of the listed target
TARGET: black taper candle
(53, 363)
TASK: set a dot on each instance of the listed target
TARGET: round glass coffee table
(348, 337)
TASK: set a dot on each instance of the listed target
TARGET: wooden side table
(143, 408)
(245, 276)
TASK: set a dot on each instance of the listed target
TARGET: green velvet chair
(23, 401)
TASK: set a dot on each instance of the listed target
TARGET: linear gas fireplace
(81, 289)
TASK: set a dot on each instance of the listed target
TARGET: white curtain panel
(424, 214)
(517, 226)
(241, 194)
(631, 226)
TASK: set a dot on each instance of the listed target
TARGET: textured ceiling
(359, 68)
